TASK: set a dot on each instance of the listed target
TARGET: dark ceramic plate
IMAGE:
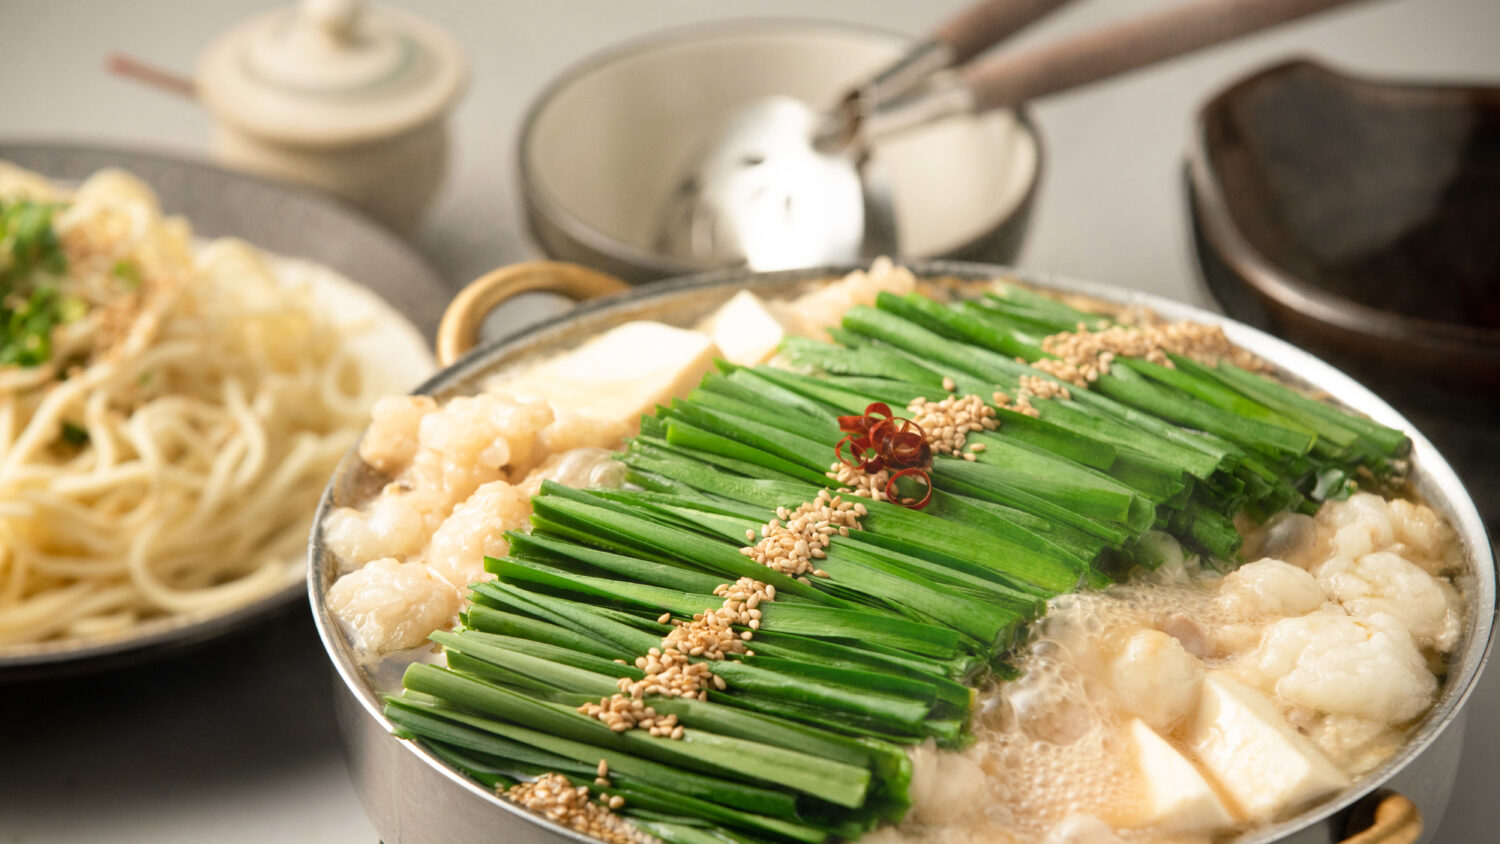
(283, 220)
(1361, 220)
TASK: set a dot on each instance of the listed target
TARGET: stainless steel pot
(412, 797)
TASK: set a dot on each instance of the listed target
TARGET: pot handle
(459, 330)
(1397, 821)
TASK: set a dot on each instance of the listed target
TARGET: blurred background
(236, 743)
(1110, 205)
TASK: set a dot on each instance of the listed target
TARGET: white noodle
(214, 407)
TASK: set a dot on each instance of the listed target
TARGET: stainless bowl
(412, 797)
(604, 145)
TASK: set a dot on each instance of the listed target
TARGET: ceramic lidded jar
(343, 97)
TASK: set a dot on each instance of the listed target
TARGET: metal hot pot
(413, 798)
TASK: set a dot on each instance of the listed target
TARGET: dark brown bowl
(1361, 221)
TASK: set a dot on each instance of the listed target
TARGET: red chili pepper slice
(862, 423)
(879, 439)
(894, 494)
(852, 440)
(852, 424)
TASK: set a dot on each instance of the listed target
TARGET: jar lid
(330, 72)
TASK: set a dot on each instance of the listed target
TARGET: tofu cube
(1259, 760)
(608, 382)
(744, 329)
(1178, 798)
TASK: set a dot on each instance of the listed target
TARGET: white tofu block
(744, 329)
(1259, 760)
(1178, 798)
(615, 377)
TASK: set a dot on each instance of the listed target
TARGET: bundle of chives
(798, 737)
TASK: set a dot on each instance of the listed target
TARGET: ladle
(781, 185)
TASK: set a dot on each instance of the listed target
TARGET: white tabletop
(236, 743)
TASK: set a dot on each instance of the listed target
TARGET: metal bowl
(412, 797)
(603, 146)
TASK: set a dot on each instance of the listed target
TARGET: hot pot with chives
(414, 794)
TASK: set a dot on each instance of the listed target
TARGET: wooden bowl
(1361, 221)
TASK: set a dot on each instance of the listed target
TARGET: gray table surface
(236, 742)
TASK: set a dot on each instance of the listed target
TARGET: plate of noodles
(172, 398)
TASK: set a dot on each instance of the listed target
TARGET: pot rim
(536, 195)
(1430, 468)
